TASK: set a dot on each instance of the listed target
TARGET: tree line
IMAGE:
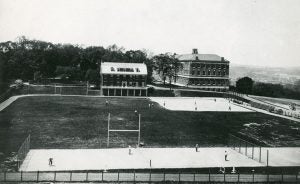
(247, 85)
(35, 60)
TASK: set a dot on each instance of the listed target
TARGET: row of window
(209, 73)
(215, 66)
(200, 82)
(124, 84)
(112, 69)
(121, 77)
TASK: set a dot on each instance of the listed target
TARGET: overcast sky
(250, 32)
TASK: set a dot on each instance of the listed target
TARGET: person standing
(129, 150)
(50, 161)
(196, 147)
(226, 156)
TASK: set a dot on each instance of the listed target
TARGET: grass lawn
(81, 122)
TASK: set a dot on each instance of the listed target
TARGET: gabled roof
(123, 68)
(200, 57)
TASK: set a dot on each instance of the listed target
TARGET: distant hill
(275, 75)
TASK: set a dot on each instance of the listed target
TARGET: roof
(123, 68)
(201, 57)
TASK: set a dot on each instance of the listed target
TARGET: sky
(247, 32)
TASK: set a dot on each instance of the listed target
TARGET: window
(208, 73)
(112, 69)
(214, 72)
(193, 72)
(203, 73)
(137, 69)
(199, 72)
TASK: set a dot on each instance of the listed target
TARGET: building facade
(204, 71)
(123, 79)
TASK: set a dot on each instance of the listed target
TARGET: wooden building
(123, 79)
(203, 71)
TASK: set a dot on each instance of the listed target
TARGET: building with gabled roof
(123, 79)
(203, 71)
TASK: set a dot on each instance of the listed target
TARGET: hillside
(281, 75)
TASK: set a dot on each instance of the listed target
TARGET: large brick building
(123, 79)
(203, 71)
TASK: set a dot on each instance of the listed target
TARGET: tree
(244, 85)
(93, 76)
(167, 65)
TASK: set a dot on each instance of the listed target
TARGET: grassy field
(81, 122)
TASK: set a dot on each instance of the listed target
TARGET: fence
(23, 150)
(262, 105)
(57, 89)
(100, 176)
(251, 150)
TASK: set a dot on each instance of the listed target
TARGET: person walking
(196, 147)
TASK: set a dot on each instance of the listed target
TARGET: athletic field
(79, 122)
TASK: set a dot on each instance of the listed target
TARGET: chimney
(222, 58)
(195, 51)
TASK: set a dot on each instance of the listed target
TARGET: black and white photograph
(149, 91)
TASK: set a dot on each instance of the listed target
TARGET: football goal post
(123, 130)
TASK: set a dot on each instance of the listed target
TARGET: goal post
(123, 130)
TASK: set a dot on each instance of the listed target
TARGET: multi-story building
(203, 71)
(123, 79)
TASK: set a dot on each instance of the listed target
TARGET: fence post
(209, 175)
(238, 177)
(246, 149)
(150, 176)
(102, 175)
(179, 177)
(87, 176)
(37, 176)
(240, 145)
(118, 176)
(259, 154)
(281, 175)
(194, 177)
(267, 158)
(21, 175)
(224, 177)
(165, 176)
(71, 176)
(252, 151)
(54, 176)
(134, 176)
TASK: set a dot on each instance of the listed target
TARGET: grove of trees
(247, 86)
(34, 60)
